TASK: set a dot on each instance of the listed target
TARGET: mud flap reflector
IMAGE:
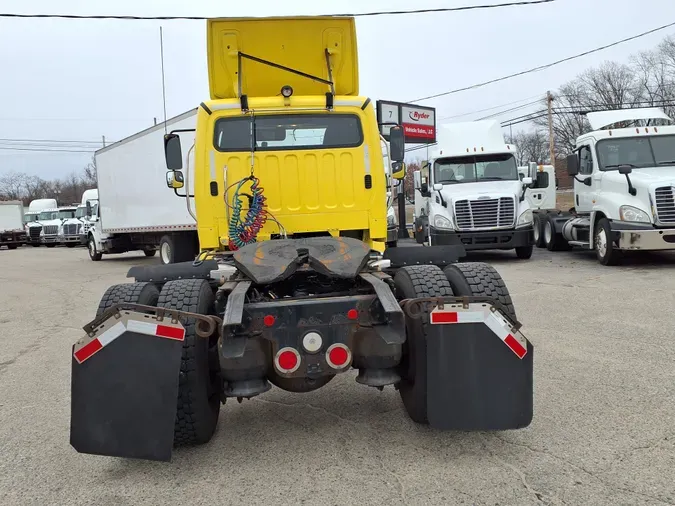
(124, 388)
(479, 370)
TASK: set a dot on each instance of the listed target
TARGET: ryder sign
(418, 122)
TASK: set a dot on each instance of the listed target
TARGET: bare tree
(90, 176)
(531, 147)
(12, 186)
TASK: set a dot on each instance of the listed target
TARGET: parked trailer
(135, 211)
(624, 188)
(12, 232)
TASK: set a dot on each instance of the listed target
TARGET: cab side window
(585, 160)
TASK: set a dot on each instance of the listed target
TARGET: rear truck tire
(477, 279)
(94, 254)
(538, 232)
(132, 293)
(524, 252)
(35, 245)
(12, 246)
(150, 252)
(605, 249)
(175, 249)
(50, 245)
(553, 240)
(200, 384)
(70, 245)
(414, 282)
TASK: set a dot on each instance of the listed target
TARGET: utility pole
(549, 99)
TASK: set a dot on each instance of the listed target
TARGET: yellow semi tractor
(293, 285)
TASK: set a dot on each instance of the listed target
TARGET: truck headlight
(442, 222)
(630, 213)
(391, 220)
(525, 219)
(42, 232)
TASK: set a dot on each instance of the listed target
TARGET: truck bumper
(71, 239)
(49, 239)
(13, 238)
(484, 240)
(640, 237)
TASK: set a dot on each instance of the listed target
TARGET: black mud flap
(124, 387)
(479, 370)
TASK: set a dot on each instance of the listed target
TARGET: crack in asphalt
(593, 475)
(397, 478)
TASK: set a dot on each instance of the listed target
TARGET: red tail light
(287, 360)
(352, 314)
(338, 356)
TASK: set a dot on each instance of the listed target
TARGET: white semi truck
(135, 212)
(470, 192)
(624, 187)
(73, 231)
(12, 232)
(34, 226)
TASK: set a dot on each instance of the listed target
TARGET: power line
(548, 65)
(72, 141)
(204, 18)
(490, 108)
(46, 150)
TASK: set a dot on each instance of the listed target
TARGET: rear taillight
(287, 360)
(338, 356)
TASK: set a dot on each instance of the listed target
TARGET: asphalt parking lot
(603, 429)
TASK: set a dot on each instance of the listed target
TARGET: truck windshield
(30, 217)
(289, 131)
(637, 152)
(474, 169)
(81, 212)
(47, 215)
(66, 213)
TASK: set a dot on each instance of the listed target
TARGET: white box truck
(135, 210)
(12, 232)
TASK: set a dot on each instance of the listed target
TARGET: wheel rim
(601, 242)
(548, 233)
(92, 248)
(536, 230)
(166, 252)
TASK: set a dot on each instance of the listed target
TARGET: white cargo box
(11, 216)
(132, 191)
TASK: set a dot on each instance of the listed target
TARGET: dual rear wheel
(462, 279)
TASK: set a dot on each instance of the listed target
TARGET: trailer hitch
(206, 324)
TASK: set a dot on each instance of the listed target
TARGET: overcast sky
(79, 80)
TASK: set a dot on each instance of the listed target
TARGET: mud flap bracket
(124, 387)
(479, 370)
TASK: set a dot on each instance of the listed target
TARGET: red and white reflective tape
(156, 329)
(108, 336)
(495, 322)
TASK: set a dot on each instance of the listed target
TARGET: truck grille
(35, 232)
(70, 229)
(485, 213)
(665, 204)
(51, 229)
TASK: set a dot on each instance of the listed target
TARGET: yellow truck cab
(294, 285)
(285, 108)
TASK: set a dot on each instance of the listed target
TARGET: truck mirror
(533, 166)
(527, 181)
(625, 169)
(172, 152)
(438, 187)
(417, 179)
(88, 209)
(174, 179)
(397, 144)
(398, 170)
(573, 164)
